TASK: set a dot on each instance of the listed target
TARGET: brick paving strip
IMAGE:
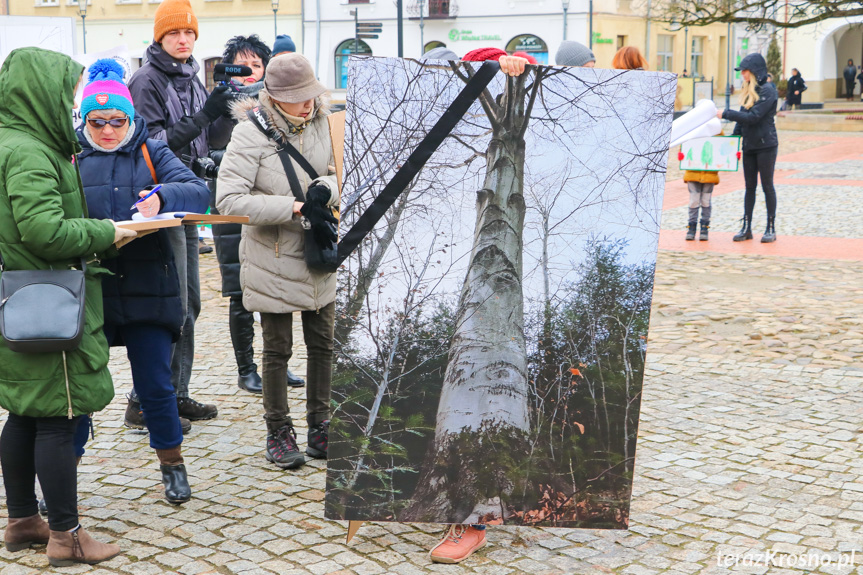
(749, 442)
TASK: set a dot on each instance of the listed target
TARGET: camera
(205, 168)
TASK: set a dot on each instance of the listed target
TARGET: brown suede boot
(65, 548)
(174, 476)
(22, 532)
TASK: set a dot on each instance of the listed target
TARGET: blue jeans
(148, 348)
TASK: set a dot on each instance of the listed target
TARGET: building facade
(820, 52)
(111, 23)
(533, 26)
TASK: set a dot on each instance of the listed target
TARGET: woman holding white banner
(760, 143)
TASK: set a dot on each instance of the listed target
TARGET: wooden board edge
(353, 527)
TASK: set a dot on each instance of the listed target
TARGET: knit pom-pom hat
(174, 15)
(106, 89)
(483, 54)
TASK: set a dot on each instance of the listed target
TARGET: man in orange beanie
(170, 97)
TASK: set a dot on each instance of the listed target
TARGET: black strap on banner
(418, 158)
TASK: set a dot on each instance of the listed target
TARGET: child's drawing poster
(714, 154)
(491, 329)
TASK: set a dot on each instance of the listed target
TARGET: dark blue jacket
(756, 124)
(145, 287)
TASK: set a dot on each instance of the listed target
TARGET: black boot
(241, 323)
(705, 225)
(770, 233)
(174, 476)
(690, 231)
(295, 381)
(250, 381)
(745, 232)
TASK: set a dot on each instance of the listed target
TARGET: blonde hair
(748, 94)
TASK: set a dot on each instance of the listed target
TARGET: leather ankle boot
(295, 381)
(22, 532)
(770, 233)
(67, 548)
(174, 476)
(745, 232)
(705, 226)
(250, 381)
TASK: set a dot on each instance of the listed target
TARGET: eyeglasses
(100, 123)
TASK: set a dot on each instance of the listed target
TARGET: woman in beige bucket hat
(275, 278)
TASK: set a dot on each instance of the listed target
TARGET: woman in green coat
(44, 225)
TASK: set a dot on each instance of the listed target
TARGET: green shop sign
(598, 39)
(456, 35)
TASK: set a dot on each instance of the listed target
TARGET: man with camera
(170, 97)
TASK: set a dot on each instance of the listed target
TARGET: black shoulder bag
(322, 258)
(42, 311)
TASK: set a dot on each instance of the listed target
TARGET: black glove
(216, 156)
(318, 194)
(218, 103)
(319, 216)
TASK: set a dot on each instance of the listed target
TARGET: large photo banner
(491, 329)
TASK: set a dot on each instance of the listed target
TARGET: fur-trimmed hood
(241, 106)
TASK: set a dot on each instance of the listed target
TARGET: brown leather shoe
(65, 548)
(22, 532)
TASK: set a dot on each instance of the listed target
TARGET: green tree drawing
(707, 154)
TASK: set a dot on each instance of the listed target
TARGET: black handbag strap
(300, 159)
(286, 152)
(418, 158)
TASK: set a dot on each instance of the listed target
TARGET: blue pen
(153, 191)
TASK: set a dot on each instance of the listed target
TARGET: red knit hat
(483, 54)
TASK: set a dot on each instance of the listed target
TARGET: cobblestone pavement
(749, 443)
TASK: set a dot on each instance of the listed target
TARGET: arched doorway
(838, 42)
(343, 52)
(533, 45)
(432, 45)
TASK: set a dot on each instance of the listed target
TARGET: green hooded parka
(44, 225)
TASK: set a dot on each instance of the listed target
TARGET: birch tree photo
(492, 327)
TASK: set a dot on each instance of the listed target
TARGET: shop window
(664, 52)
(343, 52)
(533, 45)
(621, 42)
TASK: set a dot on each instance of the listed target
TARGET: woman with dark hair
(252, 52)
(248, 51)
(760, 143)
(796, 87)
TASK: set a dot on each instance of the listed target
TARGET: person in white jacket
(274, 276)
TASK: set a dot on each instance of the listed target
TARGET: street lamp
(82, 11)
(275, 4)
(728, 71)
(686, 65)
(422, 28)
(565, 9)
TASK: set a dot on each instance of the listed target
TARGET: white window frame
(666, 57)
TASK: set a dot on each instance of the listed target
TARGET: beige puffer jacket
(252, 182)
